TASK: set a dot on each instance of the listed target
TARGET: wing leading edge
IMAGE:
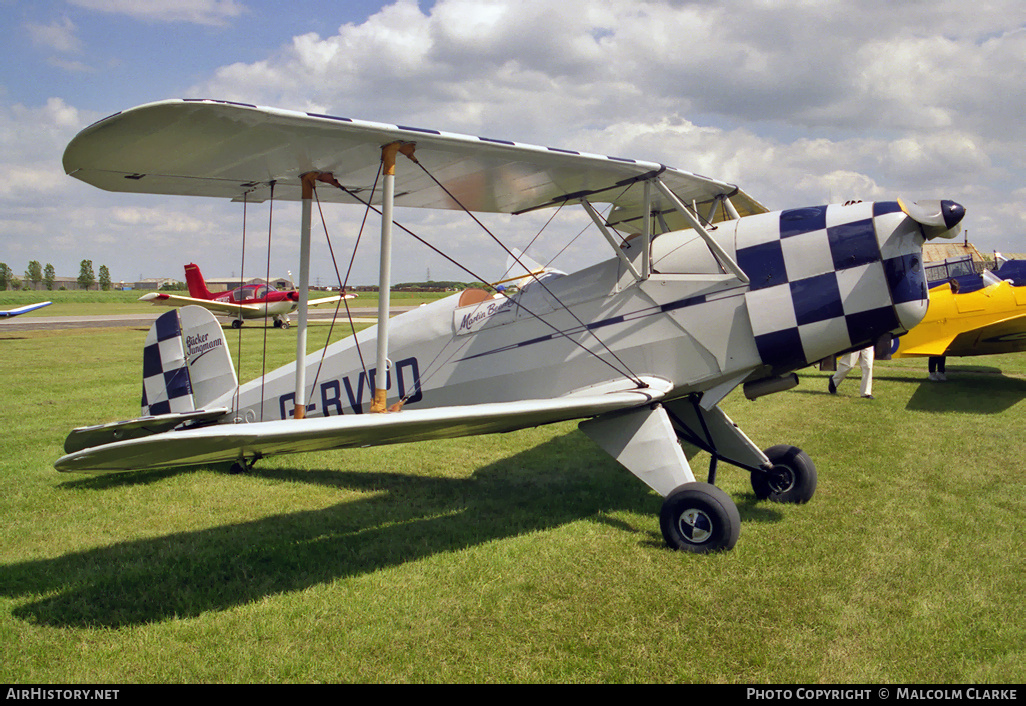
(229, 308)
(231, 150)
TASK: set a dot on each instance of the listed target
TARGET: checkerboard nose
(831, 278)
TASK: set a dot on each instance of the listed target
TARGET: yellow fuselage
(988, 321)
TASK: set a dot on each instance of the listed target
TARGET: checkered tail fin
(186, 363)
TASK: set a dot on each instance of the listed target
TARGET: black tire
(699, 518)
(791, 480)
(236, 323)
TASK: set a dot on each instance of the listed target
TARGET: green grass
(524, 557)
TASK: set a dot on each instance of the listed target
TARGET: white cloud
(797, 101)
(204, 12)
(60, 35)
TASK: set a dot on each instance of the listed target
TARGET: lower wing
(220, 307)
(330, 300)
(232, 442)
(1005, 336)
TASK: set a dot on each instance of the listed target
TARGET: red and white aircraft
(250, 301)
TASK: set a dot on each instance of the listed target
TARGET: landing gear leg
(241, 466)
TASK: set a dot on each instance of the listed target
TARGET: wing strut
(612, 241)
(718, 252)
(388, 155)
(308, 181)
(304, 292)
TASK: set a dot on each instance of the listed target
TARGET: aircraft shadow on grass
(405, 518)
(970, 391)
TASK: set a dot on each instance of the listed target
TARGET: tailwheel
(791, 478)
(699, 518)
(241, 466)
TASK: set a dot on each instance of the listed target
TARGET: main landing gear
(701, 518)
(698, 517)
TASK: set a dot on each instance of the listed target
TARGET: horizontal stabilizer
(231, 442)
(100, 434)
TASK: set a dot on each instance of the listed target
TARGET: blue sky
(797, 101)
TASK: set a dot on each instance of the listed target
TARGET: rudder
(197, 285)
(186, 362)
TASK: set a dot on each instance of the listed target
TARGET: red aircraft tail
(197, 285)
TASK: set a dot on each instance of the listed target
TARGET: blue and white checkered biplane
(705, 291)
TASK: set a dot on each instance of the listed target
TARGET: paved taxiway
(361, 315)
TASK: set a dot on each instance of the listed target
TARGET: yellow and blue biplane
(970, 313)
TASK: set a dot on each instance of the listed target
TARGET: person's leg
(866, 361)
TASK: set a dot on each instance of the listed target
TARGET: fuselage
(986, 321)
(822, 280)
(271, 301)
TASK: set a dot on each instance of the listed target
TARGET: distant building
(150, 283)
(68, 283)
(938, 252)
(223, 284)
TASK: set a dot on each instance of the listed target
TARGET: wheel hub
(781, 479)
(695, 525)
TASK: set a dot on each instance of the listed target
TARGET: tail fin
(197, 285)
(186, 363)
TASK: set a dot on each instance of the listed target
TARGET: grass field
(524, 557)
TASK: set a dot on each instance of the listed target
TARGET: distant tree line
(36, 274)
(432, 286)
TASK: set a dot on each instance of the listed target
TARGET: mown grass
(524, 557)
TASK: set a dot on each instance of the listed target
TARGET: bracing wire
(628, 374)
(537, 235)
(602, 343)
(342, 285)
(242, 274)
(263, 369)
(583, 230)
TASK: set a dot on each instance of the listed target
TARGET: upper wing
(231, 150)
(230, 442)
(23, 309)
(222, 307)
